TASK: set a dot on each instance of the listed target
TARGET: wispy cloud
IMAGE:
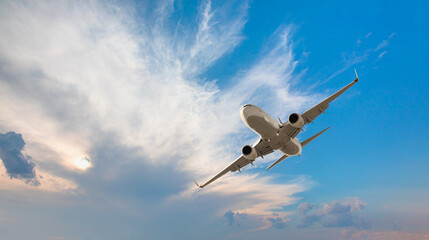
(381, 55)
(383, 44)
(356, 57)
(368, 35)
(215, 36)
(349, 61)
(73, 75)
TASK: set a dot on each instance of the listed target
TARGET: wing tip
(198, 185)
(357, 77)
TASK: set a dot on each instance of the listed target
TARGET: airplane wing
(315, 111)
(236, 165)
(262, 147)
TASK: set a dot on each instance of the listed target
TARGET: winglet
(197, 184)
(357, 77)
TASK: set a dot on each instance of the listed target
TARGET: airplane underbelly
(259, 121)
(292, 148)
(261, 126)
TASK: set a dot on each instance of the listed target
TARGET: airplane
(276, 135)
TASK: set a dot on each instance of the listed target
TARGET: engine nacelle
(249, 152)
(296, 120)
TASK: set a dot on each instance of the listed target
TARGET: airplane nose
(243, 108)
(246, 106)
(246, 111)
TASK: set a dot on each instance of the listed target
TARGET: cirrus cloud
(79, 79)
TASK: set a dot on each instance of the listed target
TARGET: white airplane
(276, 136)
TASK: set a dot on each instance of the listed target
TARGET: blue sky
(109, 109)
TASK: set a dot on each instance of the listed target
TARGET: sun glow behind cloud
(82, 163)
(75, 73)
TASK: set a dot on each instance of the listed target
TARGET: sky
(109, 109)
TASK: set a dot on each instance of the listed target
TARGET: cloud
(304, 207)
(356, 57)
(384, 43)
(350, 60)
(103, 82)
(366, 36)
(278, 222)
(214, 38)
(232, 217)
(333, 214)
(229, 215)
(381, 55)
(382, 235)
(16, 163)
(358, 42)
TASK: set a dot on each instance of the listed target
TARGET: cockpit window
(247, 105)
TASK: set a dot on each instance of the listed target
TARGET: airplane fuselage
(269, 129)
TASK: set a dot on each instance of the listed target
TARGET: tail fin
(312, 138)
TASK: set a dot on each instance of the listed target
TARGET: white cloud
(383, 44)
(75, 73)
(381, 55)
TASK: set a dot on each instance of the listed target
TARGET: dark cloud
(308, 220)
(231, 217)
(17, 164)
(278, 222)
(333, 214)
(304, 207)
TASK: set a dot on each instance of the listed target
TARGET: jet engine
(296, 120)
(249, 152)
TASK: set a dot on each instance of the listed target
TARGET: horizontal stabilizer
(312, 138)
(280, 159)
